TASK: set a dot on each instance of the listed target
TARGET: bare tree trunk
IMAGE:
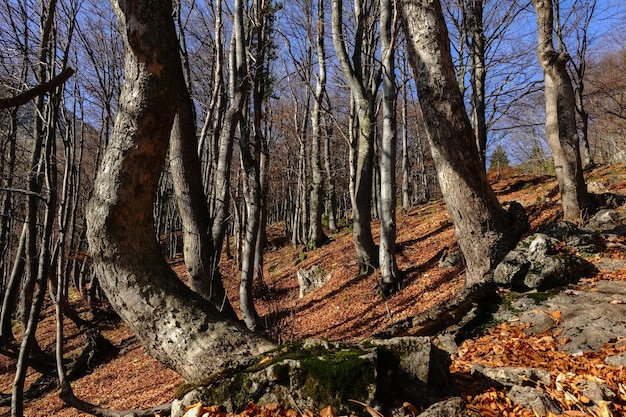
(478, 75)
(331, 194)
(390, 275)
(484, 230)
(38, 275)
(174, 324)
(561, 118)
(406, 183)
(316, 231)
(579, 74)
(221, 199)
(199, 252)
(363, 149)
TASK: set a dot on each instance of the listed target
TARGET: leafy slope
(349, 308)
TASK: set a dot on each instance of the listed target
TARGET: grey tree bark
(579, 73)
(198, 249)
(478, 75)
(317, 237)
(484, 230)
(561, 129)
(362, 151)
(174, 324)
(390, 275)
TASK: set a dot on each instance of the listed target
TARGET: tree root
(441, 316)
(68, 397)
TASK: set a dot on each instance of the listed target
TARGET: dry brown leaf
(411, 408)
(327, 412)
(194, 410)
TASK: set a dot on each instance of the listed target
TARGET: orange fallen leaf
(327, 412)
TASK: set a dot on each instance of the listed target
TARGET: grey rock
(616, 360)
(596, 391)
(541, 245)
(412, 369)
(511, 376)
(590, 319)
(315, 374)
(536, 263)
(596, 187)
(448, 343)
(452, 407)
(606, 219)
(178, 406)
(540, 320)
(533, 399)
(574, 237)
(512, 269)
(312, 278)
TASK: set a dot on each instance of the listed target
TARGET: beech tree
(363, 85)
(318, 135)
(390, 275)
(484, 230)
(497, 80)
(560, 102)
(174, 324)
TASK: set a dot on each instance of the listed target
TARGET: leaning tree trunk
(484, 230)
(199, 252)
(176, 326)
(561, 118)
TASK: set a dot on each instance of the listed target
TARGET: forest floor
(349, 308)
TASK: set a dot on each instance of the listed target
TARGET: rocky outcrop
(452, 407)
(589, 319)
(310, 279)
(540, 262)
(315, 374)
(510, 376)
(550, 257)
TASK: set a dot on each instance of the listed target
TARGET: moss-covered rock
(315, 374)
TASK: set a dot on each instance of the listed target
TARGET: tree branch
(39, 90)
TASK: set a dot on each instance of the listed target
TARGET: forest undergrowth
(349, 308)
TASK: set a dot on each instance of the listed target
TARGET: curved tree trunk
(561, 128)
(174, 324)
(484, 230)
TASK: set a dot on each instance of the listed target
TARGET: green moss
(329, 374)
(280, 372)
(183, 389)
(337, 376)
(538, 297)
(300, 257)
(241, 391)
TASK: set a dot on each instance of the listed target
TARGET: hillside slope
(346, 308)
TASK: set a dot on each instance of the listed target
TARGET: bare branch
(26, 96)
